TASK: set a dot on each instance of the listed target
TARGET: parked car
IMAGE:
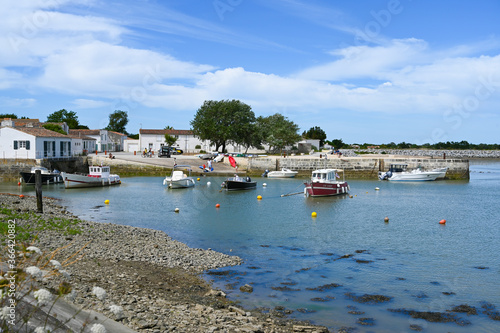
(168, 151)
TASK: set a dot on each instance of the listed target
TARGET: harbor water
(320, 268)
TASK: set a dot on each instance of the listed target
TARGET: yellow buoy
(259, 197)
(198, 179)
(106, 202)
(313, 214)
(176, 210)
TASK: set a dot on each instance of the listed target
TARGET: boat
(179, 179)
(442, 172)
(48, 177)
(399, 172)
(239, 183)
(326, 182)
(98, 176)
(283, 173)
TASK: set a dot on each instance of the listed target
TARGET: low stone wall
(366, 168)
(10, 168)
(467, 154)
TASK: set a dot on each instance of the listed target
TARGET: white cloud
(82, 103)
(17, 102)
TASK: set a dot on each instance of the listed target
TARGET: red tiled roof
(163, 132)
(84, 132)
(40, 132)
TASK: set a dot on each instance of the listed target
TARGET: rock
(246, 288)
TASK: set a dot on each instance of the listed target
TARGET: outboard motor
(265, 173)
(248, 179)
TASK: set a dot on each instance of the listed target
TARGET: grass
(29, 224)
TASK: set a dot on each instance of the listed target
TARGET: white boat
(98, 176)
(283, 173)
(326, 182)
(179, 179)
(442, 172)
(399, 172)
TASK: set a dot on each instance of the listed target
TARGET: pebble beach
(154, 278)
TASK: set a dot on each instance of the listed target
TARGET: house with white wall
(102, 141)
(186, 140)
(33, 143)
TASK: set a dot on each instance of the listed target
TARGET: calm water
(412, 258)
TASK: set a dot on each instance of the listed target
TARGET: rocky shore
(153, 278)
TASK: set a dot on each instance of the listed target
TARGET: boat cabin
(325, 175)
(99, 171)
(398, 167)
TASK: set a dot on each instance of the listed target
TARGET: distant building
(102, 140)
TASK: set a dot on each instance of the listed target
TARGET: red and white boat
(326, 182)
(98, 176)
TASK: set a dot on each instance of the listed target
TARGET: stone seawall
(363, 167)
(468, 154)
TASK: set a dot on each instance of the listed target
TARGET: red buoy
(21, 196)
(18, 183)
(217, 206)
(442, 221)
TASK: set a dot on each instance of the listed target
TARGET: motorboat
(98, 176)
(442, 172)
(179, 179)
(399, 172)
(326, 182)
(48, 177)
(283, 173)
(239, 183)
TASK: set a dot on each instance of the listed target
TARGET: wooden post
(38, 190)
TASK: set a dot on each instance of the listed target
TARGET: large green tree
(222, 122)
(277, 131)
(8, 115)
(68, 117)
(117, 121)
(315, 133)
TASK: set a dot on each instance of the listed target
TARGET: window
(18, 144)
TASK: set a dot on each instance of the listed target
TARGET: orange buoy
(217, 206)
(443, 221)
(18, 183)
(386, 219)
(21, 196)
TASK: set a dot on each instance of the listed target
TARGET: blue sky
(364, 71)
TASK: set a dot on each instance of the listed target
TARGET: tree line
(233, 122)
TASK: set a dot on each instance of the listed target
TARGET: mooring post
(38, 190)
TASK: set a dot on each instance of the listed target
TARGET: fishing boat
(283, 173)
(179, 179)
(48, 177)
(98, 176)
(326, 182)
(239, 183)
(399, 172)
(442, 172)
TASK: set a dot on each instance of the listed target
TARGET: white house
(130, 145)
(82, 145)
(154, 139)
(186, 140)
(102, 141)
(33, 143)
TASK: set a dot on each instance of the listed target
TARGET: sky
(365, 71)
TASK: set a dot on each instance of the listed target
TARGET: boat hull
(414, 176)
(325, 189)
(281, 174)
(80, 181)
(234, 185)
(51, 178)
(182, 183)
